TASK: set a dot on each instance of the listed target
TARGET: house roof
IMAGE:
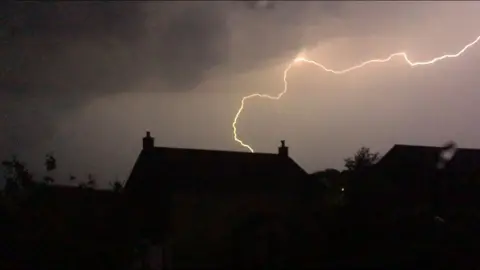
(412, 158)
(195, 168)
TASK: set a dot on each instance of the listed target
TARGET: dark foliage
(16, 175)
(363, 226)
(362, 159)
(50, 163)
(116, 186)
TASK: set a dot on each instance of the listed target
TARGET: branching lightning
(301, 59)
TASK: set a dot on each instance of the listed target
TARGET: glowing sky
(85, 80)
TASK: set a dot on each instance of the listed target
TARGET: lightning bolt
(301, 59)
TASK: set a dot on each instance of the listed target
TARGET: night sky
(85, 80)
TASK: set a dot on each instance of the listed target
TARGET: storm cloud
(106, 47)
(58, 56)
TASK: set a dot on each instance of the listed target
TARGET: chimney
(283, 150)
(148, 142)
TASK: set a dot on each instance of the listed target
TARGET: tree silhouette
(116, 186)
(363, 158)
(16, 175)
(50, 165)
(48, 180)
(91, 182)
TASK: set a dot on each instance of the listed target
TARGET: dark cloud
(89, 49)
(190, 44)
(66, 54)
(104, 47)
(58, 56)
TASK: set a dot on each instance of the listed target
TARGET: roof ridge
(418, 146)
(212, 150)
(436, 147)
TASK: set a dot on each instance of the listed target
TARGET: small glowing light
(343, 189)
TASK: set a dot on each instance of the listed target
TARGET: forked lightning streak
(298, 60)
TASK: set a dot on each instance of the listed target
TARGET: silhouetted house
(207, 208)
(414, 173)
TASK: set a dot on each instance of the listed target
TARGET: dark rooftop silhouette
(465, 162)
(211, 168)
